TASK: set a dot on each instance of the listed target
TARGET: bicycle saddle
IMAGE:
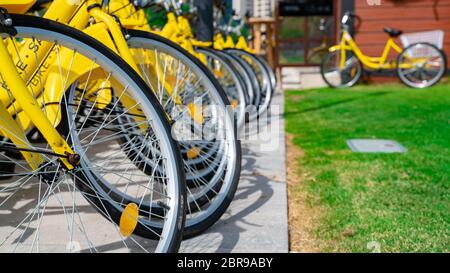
(393, 32)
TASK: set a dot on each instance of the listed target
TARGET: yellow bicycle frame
(17, 6)
(347, 43)
(220, 43)
(106, 30)
(15, 84)
(177, 29)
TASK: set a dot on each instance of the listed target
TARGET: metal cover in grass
(376, 146)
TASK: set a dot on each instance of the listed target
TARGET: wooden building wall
(407, 15)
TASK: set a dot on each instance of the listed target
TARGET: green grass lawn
(401, 201)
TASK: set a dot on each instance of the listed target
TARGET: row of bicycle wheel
(158, 152)
(248, 80)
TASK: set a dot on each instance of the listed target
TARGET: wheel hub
(49, 173)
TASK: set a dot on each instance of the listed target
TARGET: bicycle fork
(11, 129)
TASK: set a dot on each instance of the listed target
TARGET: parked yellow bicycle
(70, 109)
(189, 93)
(420, 65)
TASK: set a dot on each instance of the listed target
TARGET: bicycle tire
(406, 80)
(263, 77)
(255, 90)
(353, 80)
(238, 93)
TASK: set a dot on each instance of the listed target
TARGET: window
(302, 40)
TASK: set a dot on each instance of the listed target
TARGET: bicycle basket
(435, 37)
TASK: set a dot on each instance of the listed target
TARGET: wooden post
(271, 42)
(257, 26)
(258, 38)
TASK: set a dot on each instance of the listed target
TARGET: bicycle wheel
(255, 90)
(421, 65)
(336, 77)
(271, 72)
(230, 80)
(244, 75)
(262, 76)
(196, 103)
(52, 209)
(316, 57)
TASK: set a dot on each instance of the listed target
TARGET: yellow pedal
(193, 153)
(196, 113)
(129, 220)
(218, 74)
(234, 104)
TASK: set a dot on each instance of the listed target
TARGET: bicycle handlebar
(347, 16)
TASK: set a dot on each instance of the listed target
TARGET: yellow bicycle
(71, 115)
(420, 65)
(192, 98)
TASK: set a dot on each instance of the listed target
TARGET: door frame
(337, 7)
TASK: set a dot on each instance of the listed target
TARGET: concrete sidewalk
(257, 220)
(300, 78)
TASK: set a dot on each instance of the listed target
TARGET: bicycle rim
(212, 165)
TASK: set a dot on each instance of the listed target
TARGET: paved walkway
(257, 219)
(299, 78)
